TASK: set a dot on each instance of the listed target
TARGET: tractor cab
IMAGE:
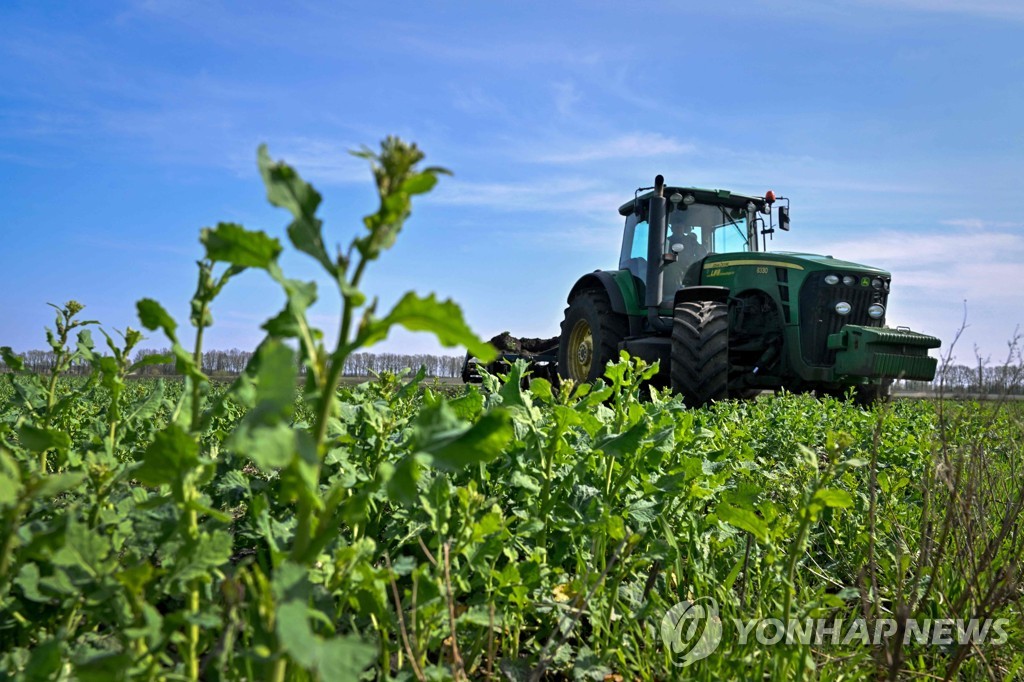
(699, 223)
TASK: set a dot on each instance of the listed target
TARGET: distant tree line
(232, 362)
(955, 379)
(980, 379)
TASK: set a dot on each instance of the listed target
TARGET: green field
(286, 526)
(515, 529)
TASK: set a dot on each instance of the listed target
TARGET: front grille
(819, 319)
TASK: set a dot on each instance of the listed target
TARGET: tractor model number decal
(760, 263)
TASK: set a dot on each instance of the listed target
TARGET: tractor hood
(819, 262)
(722, 269)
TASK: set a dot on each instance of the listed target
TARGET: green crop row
(519, 530)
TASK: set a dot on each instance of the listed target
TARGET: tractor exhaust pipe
(655, 243)
(656, 253)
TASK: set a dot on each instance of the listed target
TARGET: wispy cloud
(993, 9)
(567, 96)
(491, 50)
(139, 246)
(952, 264)
(978, 225)
(536, 195)
(320, 159)
(628, 146)
(475, 101)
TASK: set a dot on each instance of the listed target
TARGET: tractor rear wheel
(700, 352)
(591, 334)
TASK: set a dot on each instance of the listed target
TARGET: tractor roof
(703, 196)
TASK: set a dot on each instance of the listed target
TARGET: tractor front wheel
(700, 352)
(591, 334)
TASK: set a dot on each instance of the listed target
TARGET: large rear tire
(591, 334)
(700, 352)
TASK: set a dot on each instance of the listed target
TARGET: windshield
(707, 228)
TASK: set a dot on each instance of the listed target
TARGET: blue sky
(896, 127)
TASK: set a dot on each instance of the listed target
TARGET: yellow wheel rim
(581, 351)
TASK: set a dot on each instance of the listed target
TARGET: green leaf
(37, 439)
(231, 243)
(344, 658)
(833, 497)
(403, 484)
(288, 323)
(11, 359)
(294, 634)
(287, 190)
(54, 484)
(628, 442)
(28, 581)
(269, 447)
(442, 318)
(210, 551)
(85, 549)
(484, 441)
(337, 658)
(744, 519)
(276, 374)
(150, 404)
(45, 660)
(419, 183)
(468, 406)
(102, 666)
(153, 316)
(265, 434)
(171, 454)
(10, 480)
(409, 389)
(541, 388)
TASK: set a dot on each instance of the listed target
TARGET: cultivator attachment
(541, 354)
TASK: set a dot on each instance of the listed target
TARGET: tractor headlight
(886, 284)
(875, 311)
(849, 280)
(876, 283)
(832, 279)
(843, 308)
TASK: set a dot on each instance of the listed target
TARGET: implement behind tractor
(696, 291)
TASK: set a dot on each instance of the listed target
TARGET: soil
(506, 343)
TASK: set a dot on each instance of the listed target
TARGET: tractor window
(639, 248)
(634, 247)
(730, 237)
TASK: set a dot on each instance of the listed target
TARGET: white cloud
(566, 98)
(536, 195)
(978, 263)
(992, 9)
(978, 225)
(629, 146)
(317, 159)
(475, 101)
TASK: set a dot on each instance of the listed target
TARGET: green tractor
(697, 291)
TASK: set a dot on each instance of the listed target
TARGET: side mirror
(784, 218)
